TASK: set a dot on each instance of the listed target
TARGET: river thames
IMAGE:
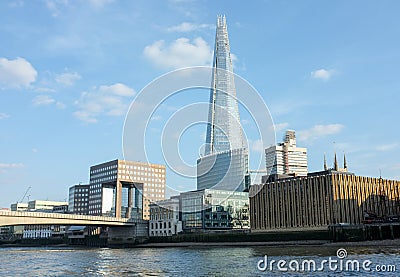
(196, 261)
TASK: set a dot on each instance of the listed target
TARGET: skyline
(68, 72)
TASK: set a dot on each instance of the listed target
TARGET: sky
(69, 71)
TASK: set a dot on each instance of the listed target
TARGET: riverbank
(378, 243)
(307, 243)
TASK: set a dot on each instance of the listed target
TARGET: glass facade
(225, 161)
(214, 209)
(226, 171)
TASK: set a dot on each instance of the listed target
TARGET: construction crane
(25, 195)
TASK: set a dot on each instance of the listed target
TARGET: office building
(43, 231)
(286, 158)
(44, 205)
(5, 232)
(78, 201)
(62, 209)
(164, 218)
(321, 199)
(209, 209)
(224, 164)
(39, 231)
(19, 207)
(117, 188)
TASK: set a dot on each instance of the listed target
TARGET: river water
(194, 261)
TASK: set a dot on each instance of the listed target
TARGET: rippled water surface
(188, 261)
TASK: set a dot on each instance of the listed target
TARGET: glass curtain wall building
(214, 209)
(225, 161)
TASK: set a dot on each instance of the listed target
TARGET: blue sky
(70, 69)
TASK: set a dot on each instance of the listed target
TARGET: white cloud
(4, 116)
(319, 131)
(287, 106)
(16, 73)
(256, 146)
(156, 117)
(180, 53)
(45, 100)
(280, 126)
(244, 121)
(60, 105)
(44, 89)
(35, 150)
(12, 165)
(55, 6)
(104, 100)
(118, 89)
(387, 147)
(68, 78)
(189, 27)
(100, 3)
(322, 74)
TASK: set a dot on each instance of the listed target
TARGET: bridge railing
(65, 216)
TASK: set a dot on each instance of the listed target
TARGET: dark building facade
(78, 202)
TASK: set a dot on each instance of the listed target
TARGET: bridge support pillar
(118, 199)
(128, 235)
(130, 202)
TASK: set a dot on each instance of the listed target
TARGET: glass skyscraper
(225, 162)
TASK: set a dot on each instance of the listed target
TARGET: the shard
(225, 161)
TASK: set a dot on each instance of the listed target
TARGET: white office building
(286, 158)
(164, 218)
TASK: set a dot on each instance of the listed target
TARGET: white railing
(64, 216)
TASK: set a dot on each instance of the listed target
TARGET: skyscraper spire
(325, 166)
(225, 164)
(224, 131)
(344, 161)
(335, 164)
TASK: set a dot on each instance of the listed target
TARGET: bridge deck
(9, 218)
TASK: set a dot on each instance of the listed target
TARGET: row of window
(102, 169)
(161, 225)
(161, 232)
(143, 168)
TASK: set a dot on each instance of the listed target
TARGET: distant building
(78, 200)
(164, 218)
(43, 231)
(286, 158)
(44, 205)
(209, 209)
(321, 199)
(17, 231)
(62, 209)
(39, 231)
(125, 188)
(36, 231)
(5, 232)
(19, 207)
(77, 232)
